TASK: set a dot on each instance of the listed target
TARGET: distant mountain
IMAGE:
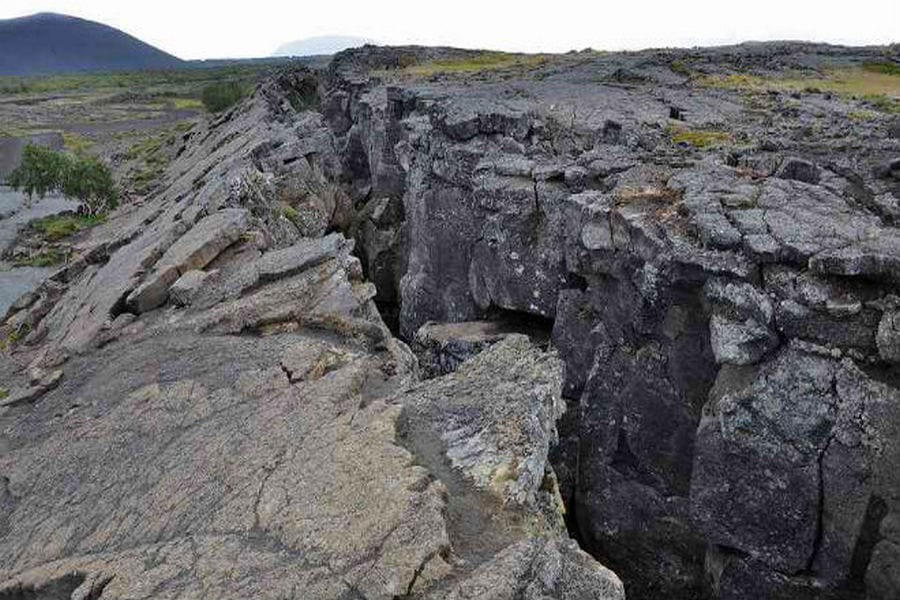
(324, 44)
(50, 43)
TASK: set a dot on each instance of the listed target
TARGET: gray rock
(194, 250)
(539, 570)
(888, 337)
(495, 416)
(186, 287)
(798, 169)
(441, 348)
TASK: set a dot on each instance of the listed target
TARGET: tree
(40, 172)
(83, 178)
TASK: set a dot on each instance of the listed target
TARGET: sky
(194, 29)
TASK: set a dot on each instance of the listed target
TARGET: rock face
(721, 320)
(208, 402)
(726, 317)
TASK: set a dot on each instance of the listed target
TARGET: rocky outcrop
(718, 311)
(720, 303)
(213, 405)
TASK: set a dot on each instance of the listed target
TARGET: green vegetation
(698, 138)
(183, 83)
(57, 227)
(218, 97)
(290, 213)
(152, 155)
(876, 83)
(882, 66)
(40, 173)
(44, 258)
(76, 144)
(3, 393)
(476, 63)
(883, 103)
(680, 67)
(80, 177)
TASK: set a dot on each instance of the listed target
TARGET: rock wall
(212, 397)
(726, 318)
(207, 402)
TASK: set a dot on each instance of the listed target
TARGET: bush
(89, 180)
(83, 178)
(220, 96)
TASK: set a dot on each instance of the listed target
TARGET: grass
(44, 258)
(185, 83)
(876, 83)
(477, 63)
(882, 66)
(680, 67)
(862, 116)
(699, 138)
(57, 227)
(187, 104)
(151, 155)
(76, 144)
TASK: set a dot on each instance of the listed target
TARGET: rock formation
(706, 394)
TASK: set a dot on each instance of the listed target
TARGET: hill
(50, 43)
(321, 45)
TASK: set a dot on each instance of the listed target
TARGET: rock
(185, 287)
(539, 569)
(889, 170)
(799, 170)
(882, 580)
(725, 338)
(40, 385)
(193, 251)
(442, 348)
(495, 416)
(888, 337)
(740, 328)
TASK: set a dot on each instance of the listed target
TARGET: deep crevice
(61, 588)
(869, 536)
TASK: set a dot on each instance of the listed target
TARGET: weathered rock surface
(211, 404)
(722, 316)
(705, 301)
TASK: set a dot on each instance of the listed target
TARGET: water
(15, 214)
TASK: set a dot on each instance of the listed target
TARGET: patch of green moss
(290, 213)
(57, 227)
(477, 63)
(699, 138)
(3, 393)
(44, 258)
(680, 67)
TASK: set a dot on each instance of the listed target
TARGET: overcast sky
(203, 29)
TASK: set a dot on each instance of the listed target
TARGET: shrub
(89, 180)
(221, 96)
(83, 178)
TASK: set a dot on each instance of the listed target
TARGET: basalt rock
(720, 302)
(214, 406)
(688, 289)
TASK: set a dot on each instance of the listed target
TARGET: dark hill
(50, 43)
